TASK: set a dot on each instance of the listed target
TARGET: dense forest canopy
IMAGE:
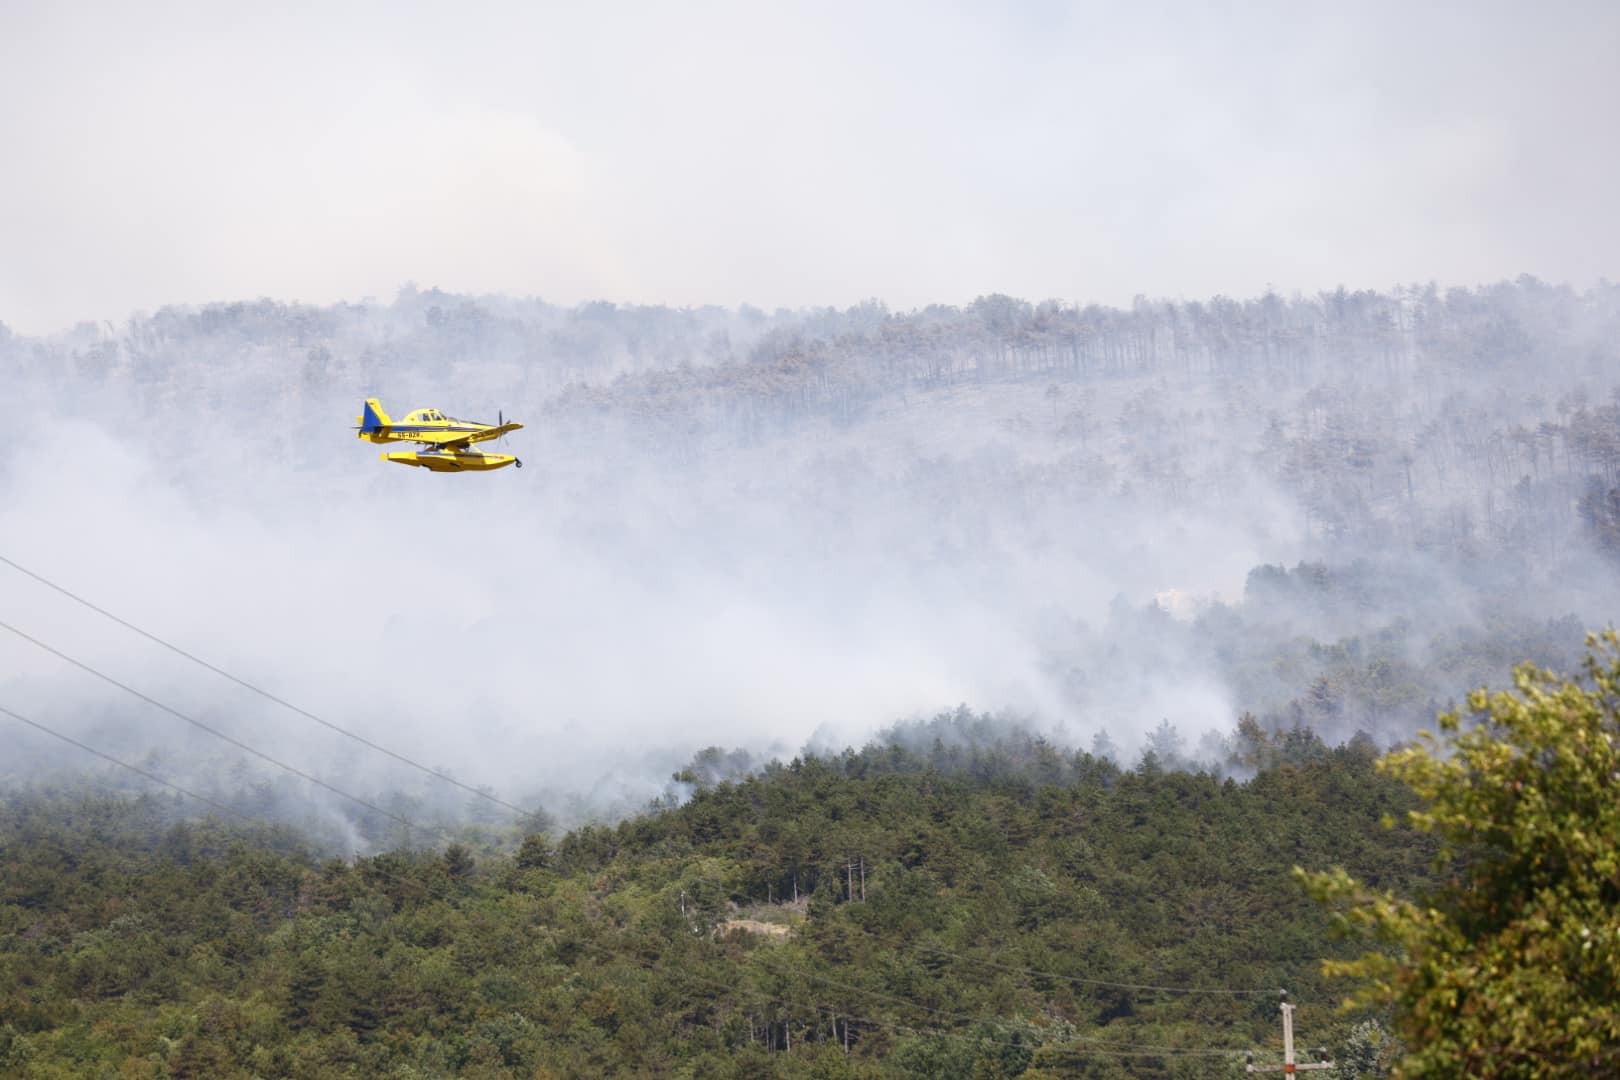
(954, 900)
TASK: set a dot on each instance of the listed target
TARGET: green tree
(1509, 971)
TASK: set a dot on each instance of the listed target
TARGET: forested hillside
(956, 900)
(1344, 510)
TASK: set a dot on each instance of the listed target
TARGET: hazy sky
(791, 155)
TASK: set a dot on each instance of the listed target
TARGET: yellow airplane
(448, 441)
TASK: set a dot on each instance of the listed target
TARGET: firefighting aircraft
(448, 441)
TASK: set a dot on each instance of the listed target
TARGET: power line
(1102, 1046)
(217, 805)
(239, 744)
(267, 695)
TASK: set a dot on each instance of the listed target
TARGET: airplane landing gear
(518, 462)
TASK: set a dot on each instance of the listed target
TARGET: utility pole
(1288, 1065)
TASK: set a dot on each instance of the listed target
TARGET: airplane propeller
(500, 421)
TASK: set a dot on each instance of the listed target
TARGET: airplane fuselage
(424, 422)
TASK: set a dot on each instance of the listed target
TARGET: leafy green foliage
(1508, 970)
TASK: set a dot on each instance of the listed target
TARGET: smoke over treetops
(762, 531)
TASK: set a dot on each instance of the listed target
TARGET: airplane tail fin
(372, 418)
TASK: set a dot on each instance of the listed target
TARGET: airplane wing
(460, 440)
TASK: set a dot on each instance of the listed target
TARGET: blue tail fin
(373, 419)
